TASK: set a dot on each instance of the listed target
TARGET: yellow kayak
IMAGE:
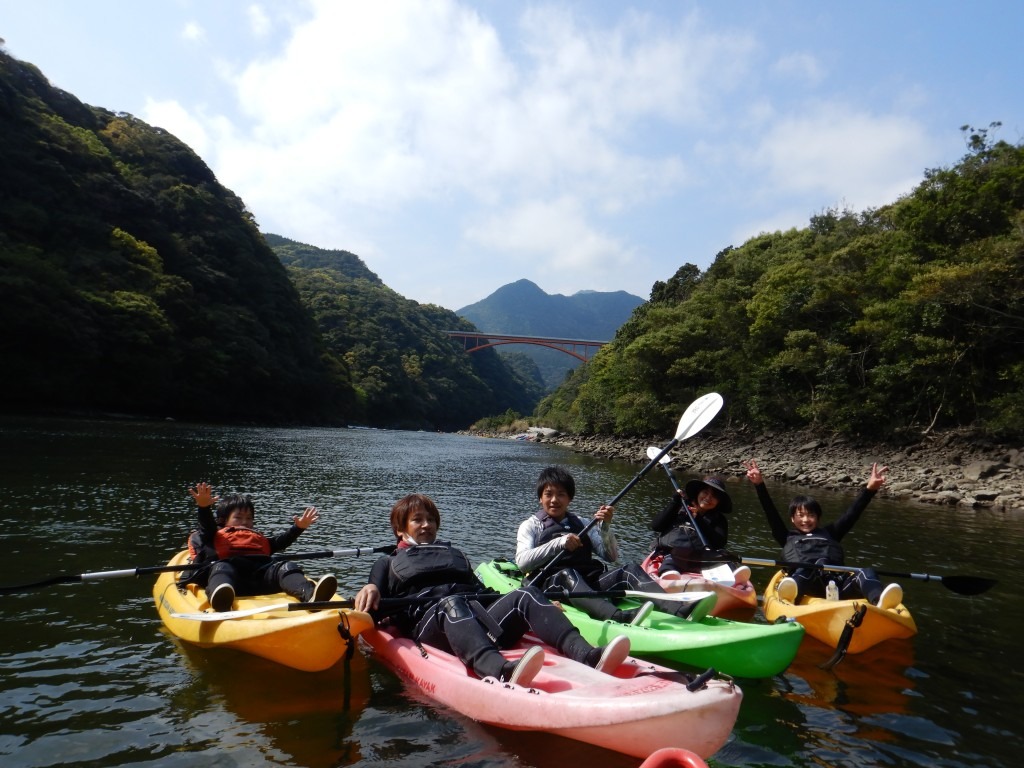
(307, 640)
(825, 620)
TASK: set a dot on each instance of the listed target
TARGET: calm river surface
(88, 676)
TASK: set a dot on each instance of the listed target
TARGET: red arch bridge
(474, 341)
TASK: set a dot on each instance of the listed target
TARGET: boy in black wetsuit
(806, 542)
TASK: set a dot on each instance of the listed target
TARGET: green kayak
(735, 648)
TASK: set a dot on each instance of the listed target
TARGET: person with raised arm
(810, 542)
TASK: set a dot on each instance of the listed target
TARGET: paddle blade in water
(967, 585)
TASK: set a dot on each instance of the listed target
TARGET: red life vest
(240, 541)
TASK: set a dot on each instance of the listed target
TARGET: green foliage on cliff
(405, 369)
(901, 319)
(132, 282)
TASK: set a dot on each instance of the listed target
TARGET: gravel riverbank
(956, 468)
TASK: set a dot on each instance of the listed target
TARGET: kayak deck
(639, 708)
(305, 640)
(825, 620)
(735, 601)
(739, 649)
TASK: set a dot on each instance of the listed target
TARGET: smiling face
(421, 527)
(707, 500)
(554, 500)
(804, 520)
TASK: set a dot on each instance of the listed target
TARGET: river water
(89, 677)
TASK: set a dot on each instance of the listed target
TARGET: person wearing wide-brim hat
(715, 497)
(679, 543)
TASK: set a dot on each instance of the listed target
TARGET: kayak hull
(304, 640)
(825, 620)
(739, 649)
(738, 601)
(638, 708)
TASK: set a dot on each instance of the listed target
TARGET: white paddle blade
(653, 452)
(228, 615)
(699, 414)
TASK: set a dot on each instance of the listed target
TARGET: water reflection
(309, 717)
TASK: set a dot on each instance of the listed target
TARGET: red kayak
(737, 600)
(673, 758)
(640, 707)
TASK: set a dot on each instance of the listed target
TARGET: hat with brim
(715, 484)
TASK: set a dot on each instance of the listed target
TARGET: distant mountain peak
(523, 308)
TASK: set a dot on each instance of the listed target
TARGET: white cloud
(173, 117)
(555, 235)
(193, 32)
(840, 151)
(569, 145)
(259, 22)
(802, 66)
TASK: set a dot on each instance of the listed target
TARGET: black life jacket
(812, 547)
(413, 569)
(582, 560)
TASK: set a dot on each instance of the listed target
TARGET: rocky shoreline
(954, 468)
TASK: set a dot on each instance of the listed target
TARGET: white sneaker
(222, 598)
(787, 590)
(702, 608)
(529, 664)
(642, 613)
(741, 575)
(324, 588)
(614, 654)
(891, 596)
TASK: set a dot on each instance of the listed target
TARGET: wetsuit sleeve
(715, 529)
(379, 575)
(667, 519)
(282, 540)
(779, 531)
(842, 526)
(529, 556)
(207, 523)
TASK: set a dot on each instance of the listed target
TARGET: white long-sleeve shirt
(530, 556)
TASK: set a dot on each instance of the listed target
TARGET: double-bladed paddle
(398, 602)
(697, 416)
(101, 575)
(652, 452)
(962, 585)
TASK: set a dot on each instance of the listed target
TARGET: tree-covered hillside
(405, 369)
(905, 318)
(132, 282)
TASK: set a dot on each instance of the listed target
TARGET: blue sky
(459, 146)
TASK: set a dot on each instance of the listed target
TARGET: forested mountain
(406, 369)
(522, 308)
(902, 319)
(131, 281)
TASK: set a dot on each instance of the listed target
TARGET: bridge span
(474, 341)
